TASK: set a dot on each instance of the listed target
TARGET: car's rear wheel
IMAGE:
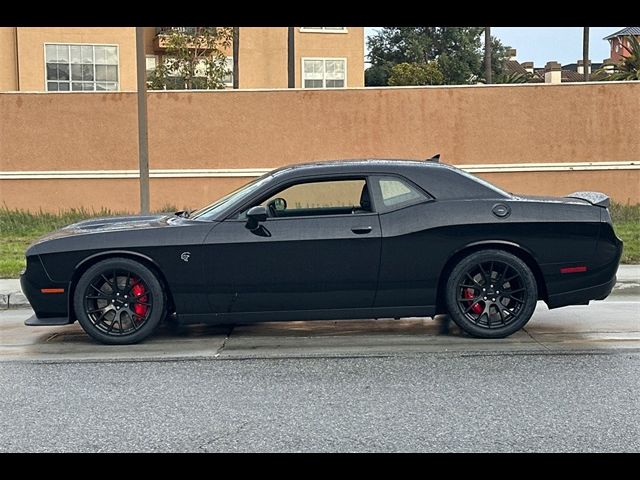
(491, 294)
(119, 301)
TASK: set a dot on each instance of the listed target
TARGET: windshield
(211, 211)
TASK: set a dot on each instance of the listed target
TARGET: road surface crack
(536, 340)
(205, 446)
(224, 342)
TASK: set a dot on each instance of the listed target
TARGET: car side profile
(330, 240)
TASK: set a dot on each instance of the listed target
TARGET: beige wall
(263, 53)
(8, 65)
(31, 42)
(348, 45)
(262, 60)
(481, 125)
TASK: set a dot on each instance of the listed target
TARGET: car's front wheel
(491, 294)
(119, 301)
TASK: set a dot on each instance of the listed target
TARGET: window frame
(234, 215)
(379, 201)
(323, 30)
(324, 78)
(46, 80)
(230, 83)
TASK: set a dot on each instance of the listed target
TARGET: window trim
(44, 56)
(229, 84)
(252, 202)
(324, 79)
(323, 30)
(379, 201)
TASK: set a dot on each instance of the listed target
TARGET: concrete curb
(11, 295)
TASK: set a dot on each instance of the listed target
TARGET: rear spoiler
(594, 198)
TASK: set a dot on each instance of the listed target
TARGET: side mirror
(279, 204)
(255, 215)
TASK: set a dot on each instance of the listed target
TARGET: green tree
(416, 74)
(457, 50)
(195, 58)
(376, 76)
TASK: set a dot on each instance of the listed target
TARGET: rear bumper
(582, 296)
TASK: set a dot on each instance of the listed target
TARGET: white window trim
(230, 84)
(346, 69)
(44, 57)
(322, 30)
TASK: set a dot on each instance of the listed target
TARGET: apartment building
(89, 59)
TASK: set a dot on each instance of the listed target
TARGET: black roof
(624, 32)
(360, 165)
(439, 179)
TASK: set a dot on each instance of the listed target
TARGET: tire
(122, 312)
(491, 294)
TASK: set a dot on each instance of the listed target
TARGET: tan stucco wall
(8, 66)
(247, 129)
(348, 45)
(31, 42)
(262, 59)
(149, 37)
(70, 131)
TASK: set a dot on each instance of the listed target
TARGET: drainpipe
(15, 33)
(291, 51)
(236, 51)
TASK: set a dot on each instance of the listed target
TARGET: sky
(543, 44)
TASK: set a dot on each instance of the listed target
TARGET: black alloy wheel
(119, 301)
(491, 294)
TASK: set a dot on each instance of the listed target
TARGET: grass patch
(18, 228)
(626, 222)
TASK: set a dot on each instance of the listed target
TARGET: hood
(109, 224)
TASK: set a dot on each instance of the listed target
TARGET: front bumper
(49, 308)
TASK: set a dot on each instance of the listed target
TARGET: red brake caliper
(470, 294)
(138, 291)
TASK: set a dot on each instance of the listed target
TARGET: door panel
(302, 263)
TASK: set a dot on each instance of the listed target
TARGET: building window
(324, 72)
(152, 63)
(324, 29)
(228, 78)
(81, 67)
(199, 81)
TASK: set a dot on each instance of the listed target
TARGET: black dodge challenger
(348, 239)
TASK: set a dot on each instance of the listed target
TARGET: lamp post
(487, 54)
(143, 140)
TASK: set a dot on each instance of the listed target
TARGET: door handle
(361, 230)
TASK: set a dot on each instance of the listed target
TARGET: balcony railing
(187, 30)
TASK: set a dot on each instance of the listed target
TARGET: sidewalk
(12, 297)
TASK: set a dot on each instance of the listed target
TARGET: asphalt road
(570, 382)
(436, 402)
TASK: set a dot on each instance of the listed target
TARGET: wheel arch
(518, 250)
(88, 262)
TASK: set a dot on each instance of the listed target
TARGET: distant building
(619, 40)
(552, 72)
(90, 59)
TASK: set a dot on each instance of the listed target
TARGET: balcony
(160, 40)
(187, 30)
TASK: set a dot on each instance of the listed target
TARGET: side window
(332, 197)
(396, 193)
